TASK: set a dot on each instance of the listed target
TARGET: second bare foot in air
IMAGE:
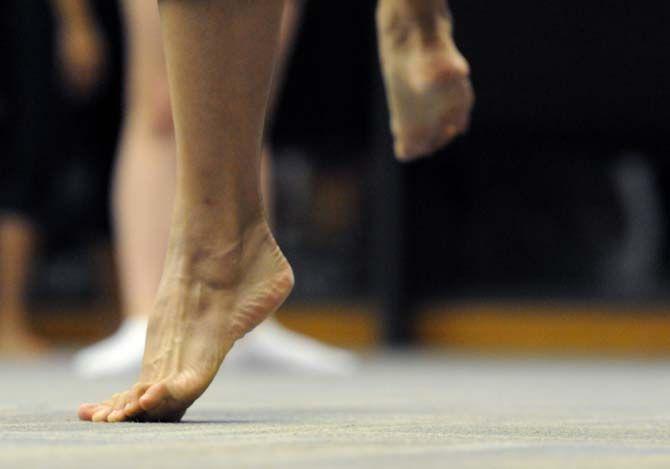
(427, 79)
(207, 300)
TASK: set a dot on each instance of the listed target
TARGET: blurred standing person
(143, 193)
(28, 164)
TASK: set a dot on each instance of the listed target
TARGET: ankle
(219, 261)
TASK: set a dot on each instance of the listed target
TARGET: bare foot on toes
(207, 300)
(427, 79)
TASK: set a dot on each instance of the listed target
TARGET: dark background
(559, 190)
(568, 145)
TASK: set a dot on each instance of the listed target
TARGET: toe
(121, 402)
(116, 416)
(117, 400)
(102, 413)
(86, 411)
(400, 151)
(444, 137)
(450, 132)
(168, 411)
(154, 396)
(132, 406)
(410, 150)
(413, 143)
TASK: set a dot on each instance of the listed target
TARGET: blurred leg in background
(31, 161)
(17, 246)
(143, 195)
(25, 164)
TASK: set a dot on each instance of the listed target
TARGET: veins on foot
(205, 303)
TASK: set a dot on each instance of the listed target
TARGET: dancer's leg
(144, 182)
(17, 245)
(224, 273)
(427, 78)
(143, 194)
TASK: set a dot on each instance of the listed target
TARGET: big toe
(132, 406)
(154, 396)
(408, 149)
(159, 405)
(85, 411)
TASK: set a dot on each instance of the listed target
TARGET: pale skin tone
(224, 273)
(145, 173)
(80, 50)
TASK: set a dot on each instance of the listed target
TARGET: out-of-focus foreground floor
(400, 410)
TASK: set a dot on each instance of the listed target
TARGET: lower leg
(223, 273)
(143, 195)
(427, 78)
(17, 245)
(144, 186)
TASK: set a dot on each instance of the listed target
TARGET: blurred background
(544, 230)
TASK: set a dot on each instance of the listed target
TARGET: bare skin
(144, 179)
(144, 183)
(427, 78)
(224, 273)
(81, 46)
(183, 353)
(17, 246)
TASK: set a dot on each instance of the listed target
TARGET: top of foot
(199, 314)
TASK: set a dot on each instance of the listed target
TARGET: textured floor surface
(399, 411)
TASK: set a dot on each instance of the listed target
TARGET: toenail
(98, 416)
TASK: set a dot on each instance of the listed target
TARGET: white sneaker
(272, 346)
(120, 353)
(269, 346)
